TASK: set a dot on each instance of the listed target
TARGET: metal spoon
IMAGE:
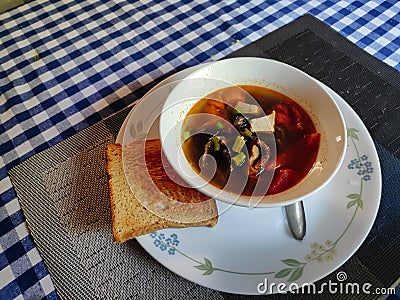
(296, 219)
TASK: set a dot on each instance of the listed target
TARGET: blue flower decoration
(164, 243)
(353, 164)
(157, 243)
(366, 177)
(363, 166)
(175, 243)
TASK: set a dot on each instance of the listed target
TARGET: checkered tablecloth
(65, 65)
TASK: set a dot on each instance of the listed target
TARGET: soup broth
(250, 140)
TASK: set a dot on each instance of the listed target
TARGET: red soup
(250, 140)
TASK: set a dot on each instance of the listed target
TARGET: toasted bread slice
(130, 218)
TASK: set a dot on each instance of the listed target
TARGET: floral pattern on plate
(319, 252)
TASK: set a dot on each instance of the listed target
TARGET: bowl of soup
(252, 132)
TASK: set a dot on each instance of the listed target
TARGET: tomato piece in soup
(283, 179)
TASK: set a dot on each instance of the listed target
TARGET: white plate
(252, 251)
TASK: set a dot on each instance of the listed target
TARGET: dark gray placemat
(64, 197)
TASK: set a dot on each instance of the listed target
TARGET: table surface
(65, 65)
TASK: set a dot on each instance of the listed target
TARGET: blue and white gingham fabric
(65, 65)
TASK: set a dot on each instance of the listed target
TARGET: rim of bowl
(242, 200)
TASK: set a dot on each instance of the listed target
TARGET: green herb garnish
(246, 132)
(238, 144)
(239, 159)
(217, 146)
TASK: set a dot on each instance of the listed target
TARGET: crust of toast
(130, 218)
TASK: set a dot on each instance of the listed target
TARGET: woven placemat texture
(64, 196)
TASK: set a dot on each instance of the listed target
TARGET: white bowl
(275, 75)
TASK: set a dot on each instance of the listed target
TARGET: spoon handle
(296, 219)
